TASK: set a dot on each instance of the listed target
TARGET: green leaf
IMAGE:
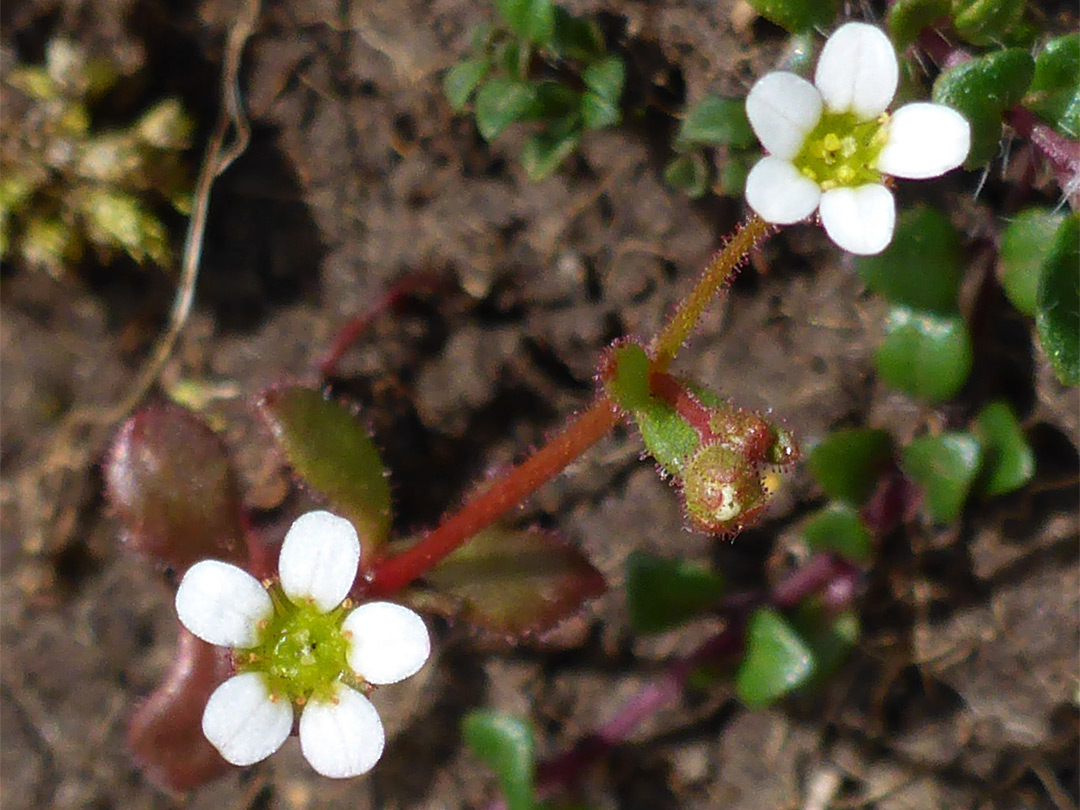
(778, 660)
(830, 638)
(986, 22)
(576, 38)
(506, 745)
(839, 528)
(598, 112)
(661, 594)
(847, 463)
(797, 15)
(532, 20)
(1057, 316)
(1009, 461)
(606, 78)
(667, 436)
(689, 174)
(331, 452)
(501, 102)
(926, 356)
(715, 120)
(922, 266)
(1054, 94)
(1025, 245)
(462, 79)
(626, 376)
(170, 482)
(906, 18)
(515, 581)
(982, 90)
(732, 173)
(945, 468)
(542, 154)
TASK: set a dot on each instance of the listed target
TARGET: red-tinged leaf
(332, 453)
(165, 735)
(516, 581)
(170, 482)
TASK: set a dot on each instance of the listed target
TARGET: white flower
(829, 143)
(296, 644)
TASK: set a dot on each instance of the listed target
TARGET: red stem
(481, 511)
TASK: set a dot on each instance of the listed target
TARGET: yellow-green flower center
(843, 151)
(301, 652)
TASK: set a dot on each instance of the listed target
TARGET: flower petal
(319, 559)
(779, 192)
(860, 220)
(243, 723)
(222, 604)
(858, 71)
(925, 140)
(782, 109)
(343, 737)
(389, 642)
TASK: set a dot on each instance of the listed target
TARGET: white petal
(860, 220)
(782, 109)
(342, 738)
(389, 642)
(243, 723)
(222, 604)
(779, 193)
(858, 71)
(925, 140)
(319, 559)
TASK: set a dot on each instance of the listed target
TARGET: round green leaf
(626, 376)
(597, 112)
(461, 80)
(797, 15)
(331, 452)
(986, 22)
(944, 467)
(532, 20)
(922, 266)
(542, 154)
(501, 102)
(1025, 244)
(778, 660)
(689, 174)
(924, 355)
(715, 120)
(606, 78)
(847, 463)
(661, 593)
(1009, 461)
(1057, 316)
(839, 528)
(506, 745)
(1054, 94)
(982, 90)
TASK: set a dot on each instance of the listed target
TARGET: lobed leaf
(778, 660)
(1057, 313)
(1009, 461)
(516, 581)
(462, 80)
(1054, 94)
(982, 90)
(923, 265)
(501, 102)
(1025, 245)
(838, 528)
(170, 482)
(716, 120)
(506, 745)
(332, 453)
(945, 467)
(661, 593)
(847, 462)
(924, 355)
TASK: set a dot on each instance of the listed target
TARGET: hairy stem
(502, 496)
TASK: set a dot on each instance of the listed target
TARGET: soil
(963, 690)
